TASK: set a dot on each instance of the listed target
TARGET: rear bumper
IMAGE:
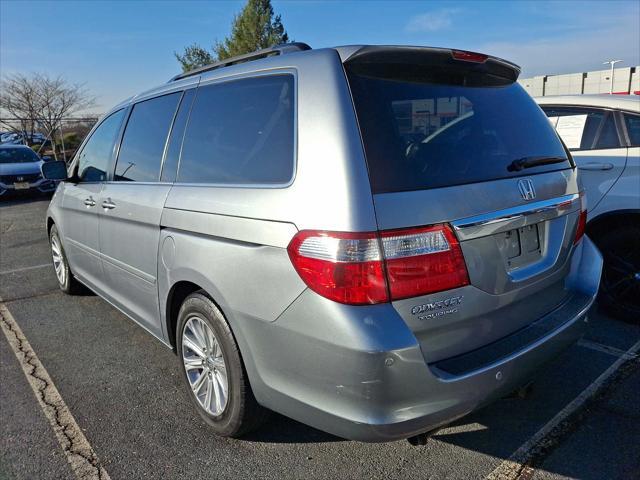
(359, 373)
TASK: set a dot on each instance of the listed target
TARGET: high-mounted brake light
(376, 267)
(469, 56)
(582, 220)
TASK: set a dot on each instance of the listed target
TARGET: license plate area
(521, 246)
(21, 185)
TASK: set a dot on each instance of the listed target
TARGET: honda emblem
(526, 189)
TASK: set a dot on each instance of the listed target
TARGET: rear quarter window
(241, 132)
(420, 135)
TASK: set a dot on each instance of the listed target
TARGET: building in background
(626, 80)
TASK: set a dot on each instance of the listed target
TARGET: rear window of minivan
(421, 134)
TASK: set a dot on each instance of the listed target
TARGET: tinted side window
(633, 128)
(584, 128)
(96, 154)
(144, 139)
(170, 165)
(577, 127)
(241, 132)
(608, 137)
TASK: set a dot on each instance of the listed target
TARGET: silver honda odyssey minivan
(372, 240)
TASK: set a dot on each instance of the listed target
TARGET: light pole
(612, 63)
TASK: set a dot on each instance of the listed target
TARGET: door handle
(108, 204)
(596, 166)
(89, 202)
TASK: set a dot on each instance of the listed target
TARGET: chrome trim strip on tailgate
(515, 217)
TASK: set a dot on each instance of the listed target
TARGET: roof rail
(247, 57)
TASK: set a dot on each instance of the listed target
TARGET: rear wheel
(213, 369)
(66, 280)
(620, 285)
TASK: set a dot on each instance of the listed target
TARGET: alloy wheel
(205, 366)
(58, 260)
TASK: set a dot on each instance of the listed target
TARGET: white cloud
(431, 21)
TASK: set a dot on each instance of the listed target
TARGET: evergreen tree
(255, 27)
(194, 56)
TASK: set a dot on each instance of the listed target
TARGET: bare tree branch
(40, 101)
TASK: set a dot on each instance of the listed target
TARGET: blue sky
(119, 48)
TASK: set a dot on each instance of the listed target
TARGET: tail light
(423, 260)
(582, 220)
(376, 267)
(344, 267)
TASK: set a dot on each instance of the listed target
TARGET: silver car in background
(371, 240)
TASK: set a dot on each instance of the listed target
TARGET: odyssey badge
(439, 308)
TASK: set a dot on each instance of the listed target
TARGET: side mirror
(56, 170)
(46, 158)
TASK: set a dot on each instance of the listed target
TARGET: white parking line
(18, 270)
(516, 465)
(83, 460)
(599, 347)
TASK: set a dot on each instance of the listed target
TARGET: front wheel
(620, 285)
(213, 369)
(66, 280)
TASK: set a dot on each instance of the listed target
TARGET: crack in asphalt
(8, 227)
(83, 460)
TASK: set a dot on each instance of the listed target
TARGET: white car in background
(603, 134)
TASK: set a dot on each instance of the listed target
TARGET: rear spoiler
(431, 58)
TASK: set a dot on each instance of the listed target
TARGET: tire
(66, 280)
(236, 412)
(620, 283)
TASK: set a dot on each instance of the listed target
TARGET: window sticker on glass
(570, 128)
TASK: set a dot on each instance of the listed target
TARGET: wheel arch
(608, 220)
(50, 223)
(185, 283)
(178, 292)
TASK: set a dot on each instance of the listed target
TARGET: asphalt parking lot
(124, 390)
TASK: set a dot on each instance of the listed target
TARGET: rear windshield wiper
(528, 162)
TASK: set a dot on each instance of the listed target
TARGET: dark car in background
(20, 171)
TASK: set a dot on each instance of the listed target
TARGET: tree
(194, 56)
(254, 28)
(40, 100)
(19, 103)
